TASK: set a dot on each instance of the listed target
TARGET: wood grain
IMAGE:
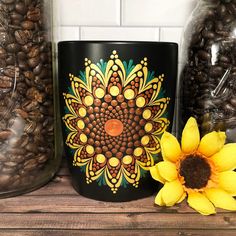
(58, 210)
(163, 232)
(115, 221)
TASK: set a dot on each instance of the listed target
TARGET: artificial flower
(199, 169)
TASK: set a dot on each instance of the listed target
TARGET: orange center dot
(114, 127)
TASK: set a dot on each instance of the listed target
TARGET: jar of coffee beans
(208, 77)
(27, 153)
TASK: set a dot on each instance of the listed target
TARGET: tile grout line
(121, 12)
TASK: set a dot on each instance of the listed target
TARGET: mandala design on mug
(115, 116)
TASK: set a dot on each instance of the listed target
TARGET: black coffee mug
(117, 99)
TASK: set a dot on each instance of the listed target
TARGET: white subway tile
(89, 12)
(156, 12)
(173, 34)
(120, 33)
(68, 33)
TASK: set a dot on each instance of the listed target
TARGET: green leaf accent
(83, 76)
(128, 67)
(102, 66)
(150, 76)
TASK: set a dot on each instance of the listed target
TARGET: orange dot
(114, 127)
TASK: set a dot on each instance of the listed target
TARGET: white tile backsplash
(156, 12)
(145, 20)
(69, 33)
(172, 34)
(89, 12)
(120, 33)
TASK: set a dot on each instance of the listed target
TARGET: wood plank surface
(116, 221)
(57, 209)
(164, 232)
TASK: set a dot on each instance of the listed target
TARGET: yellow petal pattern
(221, 199)
(155, 174)
(158, 199)
(225, 159)
(170, 147)
(167, 170)
(227, 181)
(212, 143)
(172, 192)
(200, 203)
(190, 136)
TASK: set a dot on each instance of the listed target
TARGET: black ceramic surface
(117, 99)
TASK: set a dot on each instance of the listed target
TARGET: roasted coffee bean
(34, 14)
(27, 25)
(26, 127)
(209, 91)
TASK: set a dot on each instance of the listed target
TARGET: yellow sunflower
(202, 170)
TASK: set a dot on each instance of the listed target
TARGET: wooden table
(57, 210)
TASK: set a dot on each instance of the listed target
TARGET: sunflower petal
(221, 199)
(170, 147)
(225, 159)
(227, 181)
(212, 143)
(158, 199)
(182, 198)
(200, 203)
(167, 170)
(172, 192)
(155, 174)
(190, 136)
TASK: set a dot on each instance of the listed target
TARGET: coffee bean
(208, 92)
(26, 127)
(27, 25)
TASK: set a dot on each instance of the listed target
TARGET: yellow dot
(140, 74)
(82, 112)
(91, 173)
(145, 59)
(88, 100)
(114, 162)
(133, 176)
(148, 163)
(114, 91)
(145, 64)
(80, 124)
(99, 93)
(148, 127)
(116, 57)
(155, 86)
(115, 68)
(145, 140)
(147, 114)
(90, 149)
(129, 94)
(138, 152)
(86, 64)
(100, 158)
(114, 52)
(83, 138)
(76, 85)
(140, 102)
(93, 72)
(127, 160)
(112, 56)
(114, 181)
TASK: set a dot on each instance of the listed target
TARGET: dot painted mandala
(115, 115)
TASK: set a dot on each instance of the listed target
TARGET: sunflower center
(114, 127)
(196, 171)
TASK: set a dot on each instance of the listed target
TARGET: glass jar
(27, 154)
(208, 77)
